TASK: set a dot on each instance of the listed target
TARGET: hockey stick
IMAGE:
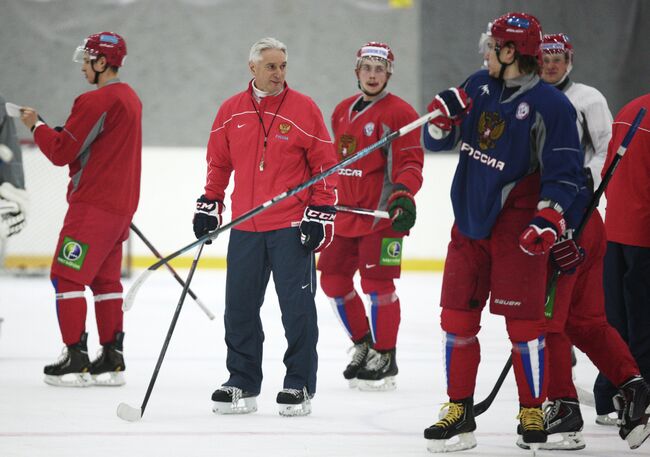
(482, 406)
(368, 212)
(130, 413)
(172, 271)
(130, 296)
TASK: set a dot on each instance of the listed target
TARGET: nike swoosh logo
(371, 265)
(240, 125)
(305, 286)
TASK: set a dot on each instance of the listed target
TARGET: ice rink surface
(40, 420)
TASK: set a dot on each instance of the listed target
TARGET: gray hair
(264, 44)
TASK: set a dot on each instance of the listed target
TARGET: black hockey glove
(317, 227)
(207, 216)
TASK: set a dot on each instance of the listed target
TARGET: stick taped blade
(130, 295)
(129, 413)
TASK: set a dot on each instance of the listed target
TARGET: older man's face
(270, 72)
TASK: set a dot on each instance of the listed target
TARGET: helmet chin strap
(497, 50)
(97, 73)
(368, 93)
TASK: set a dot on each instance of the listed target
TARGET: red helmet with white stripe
(521, 29)
(107, 44)
(557, 43)
(376, 50)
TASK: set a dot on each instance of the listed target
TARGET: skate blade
(109, 379)
(129, 413)
(571, 441)
(301, 409)
(638, 435)
(460, 442)
(353, 383)
(243, 406)
(386, 384)
(534, 447)
(69, 380)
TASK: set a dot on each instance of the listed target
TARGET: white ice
(40, 420)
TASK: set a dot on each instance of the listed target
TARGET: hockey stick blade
(419, 122)
(129, 413)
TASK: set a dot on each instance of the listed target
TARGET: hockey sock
(347, 304)
(383, 312)
(70, 309)
(560, 380)
(462, 351)
(529, 362)
(109, 315)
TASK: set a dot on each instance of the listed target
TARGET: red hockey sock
(70, 309)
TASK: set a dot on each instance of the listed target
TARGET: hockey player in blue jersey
(520, 166)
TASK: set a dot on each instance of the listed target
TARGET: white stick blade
(129, 300)
(129, 413)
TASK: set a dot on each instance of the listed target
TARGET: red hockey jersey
(368, 182)
(101, 142)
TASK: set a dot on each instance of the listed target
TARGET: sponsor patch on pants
(72, 253)
(391, 252)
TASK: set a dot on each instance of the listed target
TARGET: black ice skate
(294, 402)
(108, 368)
(531, 427)
(458, 421)
(72, 368)
(379, 371)
(563, 424)
(359, 355)
(633, 405)
(233, 400)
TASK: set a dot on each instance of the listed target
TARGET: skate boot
(71, 370)
(458, 420)
(531, 428)
(563, 424)
(108, 368)
(233, 400)
(359, 355)
(633, 405)
(294, 402)
(607, 419)
(379, 371)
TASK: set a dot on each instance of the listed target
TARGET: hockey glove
(207, 216)
(12, 219)
(454, 104)
(401, 208)
(567, 255)
(317, 227)
(542, 232)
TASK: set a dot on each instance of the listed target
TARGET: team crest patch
(368, 129)
(347, 145)
(523, 110)
(284, 128)
(490, 129)
(391, 252)
(72, 253)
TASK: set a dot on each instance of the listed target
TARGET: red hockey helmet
(107, 44)
(557, 43)
(376, 50)
(524, 30)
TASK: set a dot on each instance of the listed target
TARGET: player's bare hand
(28, 116)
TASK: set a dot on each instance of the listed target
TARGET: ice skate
(294, 402)
(359, 355)
(531, 428)
(563, 424)
(379, 371)
(108, 368)
(607, 419)
(458, 421)
(633, 404)
(233, 400)
(72, 368)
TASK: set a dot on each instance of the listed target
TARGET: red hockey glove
(454, 104)
(542, 232)
(567, 255)
(207, 216)
(317, 227)
(401, 208)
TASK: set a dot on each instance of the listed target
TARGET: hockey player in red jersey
(101, 143)
(386, 179)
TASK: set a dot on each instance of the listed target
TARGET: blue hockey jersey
(514, 128)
